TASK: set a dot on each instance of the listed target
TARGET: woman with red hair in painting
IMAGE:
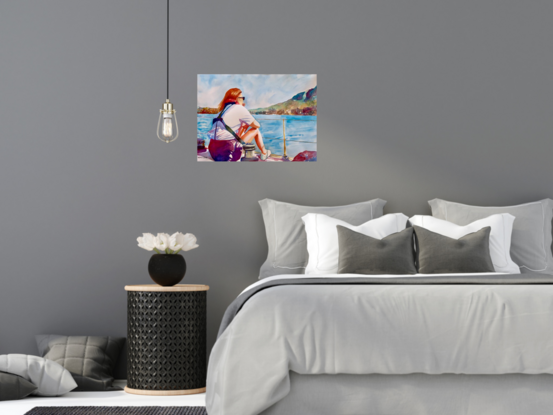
(233, 127)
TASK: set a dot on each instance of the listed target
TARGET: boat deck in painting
(204, 156)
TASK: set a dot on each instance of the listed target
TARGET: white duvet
(376, 329)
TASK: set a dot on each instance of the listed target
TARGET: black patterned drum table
(166, 339)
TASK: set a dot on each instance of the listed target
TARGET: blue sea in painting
(300, 132)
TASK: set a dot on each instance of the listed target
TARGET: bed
(387, 338)
(389, 344)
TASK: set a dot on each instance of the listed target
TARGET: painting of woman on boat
(268, 118)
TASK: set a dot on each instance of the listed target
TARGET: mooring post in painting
(284, 156)
(268, 118)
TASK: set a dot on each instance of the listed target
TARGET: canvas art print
(257, 118)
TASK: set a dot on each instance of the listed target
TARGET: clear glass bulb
(167, 128)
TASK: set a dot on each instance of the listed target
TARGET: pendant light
(167, 129)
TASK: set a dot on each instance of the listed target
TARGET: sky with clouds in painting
(260, 90)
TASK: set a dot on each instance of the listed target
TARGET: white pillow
(322, 237)
(500, 236)
(51, 378)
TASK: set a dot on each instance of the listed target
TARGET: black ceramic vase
(167, 269)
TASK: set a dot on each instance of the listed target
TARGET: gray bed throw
(476, 325)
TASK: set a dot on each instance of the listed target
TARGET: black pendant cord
(167, 49)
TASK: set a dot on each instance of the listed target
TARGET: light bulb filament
(167, 127)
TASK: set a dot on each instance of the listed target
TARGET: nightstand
(166, 339)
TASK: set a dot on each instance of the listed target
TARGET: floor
(114, 398)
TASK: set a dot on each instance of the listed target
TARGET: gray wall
(418, 99)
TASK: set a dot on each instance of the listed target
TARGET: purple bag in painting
(225, 150)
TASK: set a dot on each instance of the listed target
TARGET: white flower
(175, 242)
(147, 241)
(165, 243)
(188, 241)
(181, 242)
(162, 241)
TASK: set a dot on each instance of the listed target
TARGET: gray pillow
(531, 240)
(439, 254)
(362, 254)
(286, 232)
(90, 359)
(14, 387)
(50, 378)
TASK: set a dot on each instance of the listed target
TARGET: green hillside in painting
(303, 103)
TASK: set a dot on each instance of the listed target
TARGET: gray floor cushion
(90, 359)
(14, 387)
(50, 378)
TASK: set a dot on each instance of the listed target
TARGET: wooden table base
(164, 392)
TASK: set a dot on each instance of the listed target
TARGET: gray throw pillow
(286, 236)
(90, 359)
(14, 387)
(531, 240)
(439, 254)
(362, 254)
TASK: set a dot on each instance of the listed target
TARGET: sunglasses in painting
(243, 98)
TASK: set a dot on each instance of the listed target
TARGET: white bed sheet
(294, 276)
